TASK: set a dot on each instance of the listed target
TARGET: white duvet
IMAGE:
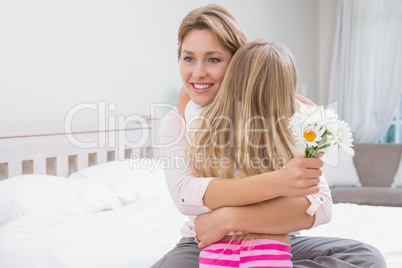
(145, 225)
(136, 235)
(376, 225)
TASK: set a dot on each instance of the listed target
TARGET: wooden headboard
(61, 153)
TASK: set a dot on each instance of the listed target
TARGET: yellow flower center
(309, 136)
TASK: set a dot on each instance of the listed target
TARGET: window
(394, 133)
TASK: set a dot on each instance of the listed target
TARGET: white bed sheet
(136, 235)
(376, 225)
(127, 237)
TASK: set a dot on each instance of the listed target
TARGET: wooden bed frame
(61, 153)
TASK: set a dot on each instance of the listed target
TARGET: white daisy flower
(344, 140)
(308, 115)
(312, 134)
(317, 129)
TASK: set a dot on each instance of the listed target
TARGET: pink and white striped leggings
(246, 254)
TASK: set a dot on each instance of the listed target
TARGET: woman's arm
(277, 216)
(304, 100)
(186, 189)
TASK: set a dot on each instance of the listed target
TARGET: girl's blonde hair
(245, 128)
(217, 19)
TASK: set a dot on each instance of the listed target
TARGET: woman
(208, 38)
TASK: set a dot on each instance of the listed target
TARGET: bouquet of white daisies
(319, 129)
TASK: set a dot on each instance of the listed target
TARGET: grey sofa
(376, 165)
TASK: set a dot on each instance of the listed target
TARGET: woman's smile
(201, 87)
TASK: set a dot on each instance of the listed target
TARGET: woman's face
(203, 65)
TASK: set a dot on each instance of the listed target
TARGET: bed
(99, 199)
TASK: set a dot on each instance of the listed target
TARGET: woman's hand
(305, 100)
(300, 177)
(211, 227)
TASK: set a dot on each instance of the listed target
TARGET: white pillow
(44, 194)
(398, 176)
(129, 179)
(341, 173)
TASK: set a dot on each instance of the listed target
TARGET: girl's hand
(211, 227)
(184, 98)
(300, 177)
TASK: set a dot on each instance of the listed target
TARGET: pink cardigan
(187, 189)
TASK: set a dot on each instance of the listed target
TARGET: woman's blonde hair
(245, 128)
(219, 21)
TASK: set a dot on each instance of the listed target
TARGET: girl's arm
(299, 178)
(184, 98)
(188, 191)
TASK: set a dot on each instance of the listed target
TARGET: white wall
(57, 54)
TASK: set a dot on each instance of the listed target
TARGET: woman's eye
(188, 59)
(214, 60)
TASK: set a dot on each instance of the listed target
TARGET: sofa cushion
(342, 174)
(376, 164)
(376, 196)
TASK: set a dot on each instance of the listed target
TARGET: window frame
(394, 132)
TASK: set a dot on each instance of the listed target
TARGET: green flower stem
(313, 151)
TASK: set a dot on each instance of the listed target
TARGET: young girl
(246, 132)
